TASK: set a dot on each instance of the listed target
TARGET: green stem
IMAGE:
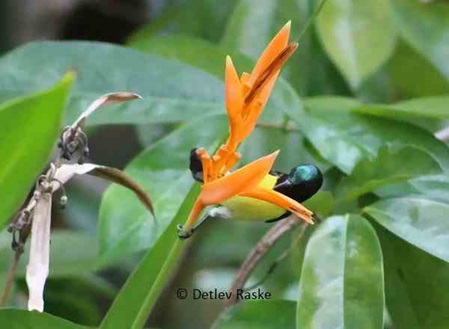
(159, 284)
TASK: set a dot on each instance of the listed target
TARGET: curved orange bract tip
(233, 90)
(274, 48)
(238, 181)
(198, 207)
(280, 200)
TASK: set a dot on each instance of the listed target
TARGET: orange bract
(245, 98)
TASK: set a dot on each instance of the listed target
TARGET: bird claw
(184, 234)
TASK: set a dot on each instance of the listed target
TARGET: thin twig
(278, 260)
(10, 277)
(258, 252)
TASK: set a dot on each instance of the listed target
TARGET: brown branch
(10, 277)
(258, 252)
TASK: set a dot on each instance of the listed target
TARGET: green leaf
(125, 226)
(389, 167)
(80, 258)
(258, 315)
(416, 285)
(413, 111)
(205, 19)
(29, 127)
(193, 51)
(172, 91)
(344, 137)
(424, 26)
(420, 222)
(341, 284)
(431, 107)
(349, 30)
(19, 319)
(408, 69)
(433, 187)
(128, 304)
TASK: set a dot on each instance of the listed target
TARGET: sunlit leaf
(421, 222)
(341, 284)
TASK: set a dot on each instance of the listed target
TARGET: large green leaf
(344, 137)
(420, 222)
(172, 91)
(424, 26)
(349, 30)
(29, 127)
(125, 225)
(258, 315)
(416, 285)
(128, 304)
(341, 284)
(19, 319)
(389, 167)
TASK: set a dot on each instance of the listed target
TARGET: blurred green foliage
(362, 98)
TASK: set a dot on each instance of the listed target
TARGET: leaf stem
(159, 284)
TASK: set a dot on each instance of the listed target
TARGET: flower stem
(159, 283)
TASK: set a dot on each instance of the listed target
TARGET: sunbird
(255, 191)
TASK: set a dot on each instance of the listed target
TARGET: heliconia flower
(245, 98)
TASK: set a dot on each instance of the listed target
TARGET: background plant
(365, 98)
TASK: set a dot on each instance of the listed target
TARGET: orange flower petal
(252, 115)
(263, 84)
(274, 48)
(233, 90)
(280, 200)
(238, 181)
